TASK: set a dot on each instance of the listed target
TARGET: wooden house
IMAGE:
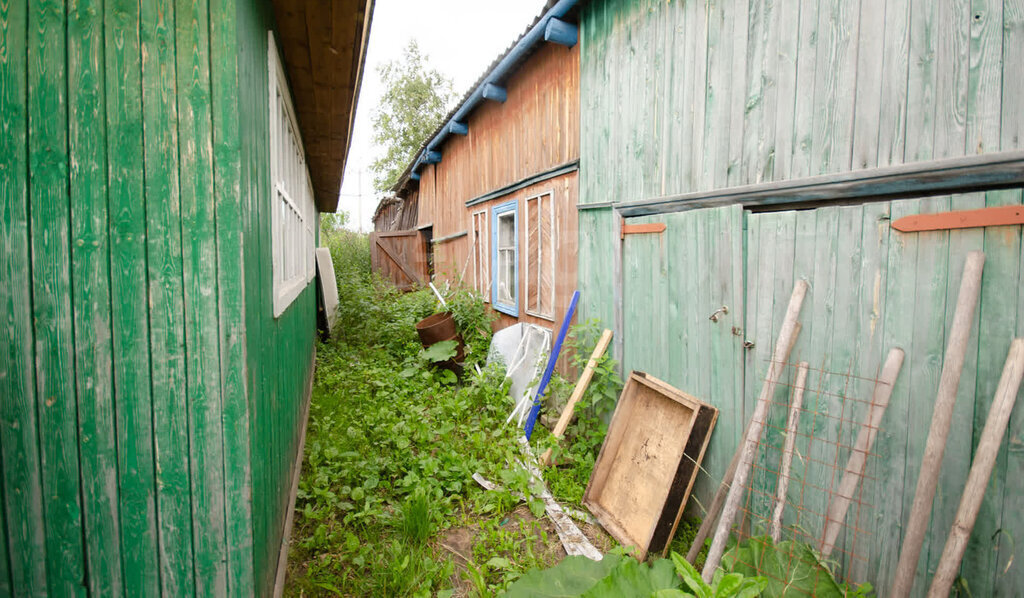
(494, 189)
(162, 169)
(770, 142)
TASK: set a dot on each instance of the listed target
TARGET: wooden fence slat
(202, 332)
(125, 151)
(166, 298)
(231, 288)
(25, 543)
(90, 279)
(1002, 314)
(51, 296)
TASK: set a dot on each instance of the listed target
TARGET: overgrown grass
(391, 447)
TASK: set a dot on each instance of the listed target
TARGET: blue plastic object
(531, 420)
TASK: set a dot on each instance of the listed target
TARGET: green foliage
(723, 585)
(616, 575)
(415, 101)
(332, 224)
(620, 575)
(791, 568)
(472, 320)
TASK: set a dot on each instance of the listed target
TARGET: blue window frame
(505, 258)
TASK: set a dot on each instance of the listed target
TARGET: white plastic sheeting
(523, 349)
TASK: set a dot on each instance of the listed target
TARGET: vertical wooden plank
(762, 92)
(718, 96)
(819, 325)
(892, 120)
(929, 347)
(130, 302)
(969, 410)
(953, 69)
(51, 296)
(24, 540)
(738, 97)
(998, 322)
(806, 91)
(836, 72)
(869, 356)
(90, 279)
(1008, 578)
(788, 31)
(985, 77)
(231, 286)
(202, 323)
(166, 298)
(897, 331)
(870, 68)
(1011, 134)
(842, 357)
(699, 84)
(921, 74)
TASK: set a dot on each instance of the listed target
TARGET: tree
(415, 100)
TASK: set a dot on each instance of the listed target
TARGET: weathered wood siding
(874, 288)
(140, 364)
(535, 130)
(871, 288)
(279, 351)
(690, 96)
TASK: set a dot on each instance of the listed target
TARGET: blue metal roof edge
(534, 36)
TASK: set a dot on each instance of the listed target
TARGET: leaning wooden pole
(858, 460)
(775, 368)
(981, 471)
(577, 393)
(792, 422)
(945, 400)
(711, 516)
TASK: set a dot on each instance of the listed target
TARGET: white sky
(460, 39)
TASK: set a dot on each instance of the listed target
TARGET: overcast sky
(459, 37)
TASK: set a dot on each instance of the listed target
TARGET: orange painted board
(999, 216)
(630, 229)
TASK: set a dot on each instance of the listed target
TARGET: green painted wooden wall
(684, 96)
(149, 402)
(871, 289)
(690, 95)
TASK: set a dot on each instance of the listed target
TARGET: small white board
(328, 286)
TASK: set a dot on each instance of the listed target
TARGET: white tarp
(523, 349)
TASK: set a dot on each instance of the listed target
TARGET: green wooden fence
(871, 288)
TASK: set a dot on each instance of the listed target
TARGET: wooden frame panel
(648, 462)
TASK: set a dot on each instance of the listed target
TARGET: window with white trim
(481, 255)
(505, 258)
(540, 256)
(293, 213)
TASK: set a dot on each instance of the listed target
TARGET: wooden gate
(401, 257)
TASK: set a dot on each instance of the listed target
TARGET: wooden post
(716, 503)
(735, 495)
(577, 393)
(861, 449)
(945, 400)
(787, 452)
(981, 471)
